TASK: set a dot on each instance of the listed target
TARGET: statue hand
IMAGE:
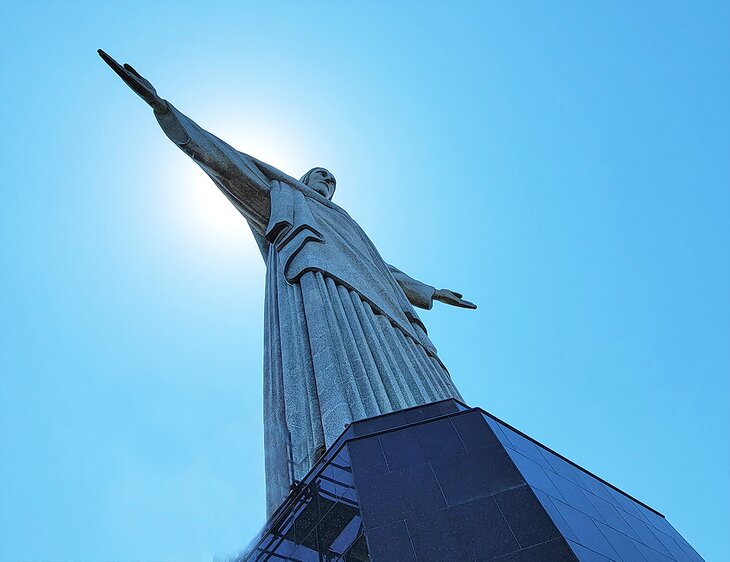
(452, 298)
(134, 80)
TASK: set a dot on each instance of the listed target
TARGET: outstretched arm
(422, 295)
(236, 174)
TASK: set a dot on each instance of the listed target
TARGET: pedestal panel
(444, 482)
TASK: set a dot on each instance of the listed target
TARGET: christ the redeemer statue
(342, 341)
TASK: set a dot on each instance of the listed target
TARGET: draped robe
(341, 338)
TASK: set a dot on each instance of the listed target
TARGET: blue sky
(564, 165)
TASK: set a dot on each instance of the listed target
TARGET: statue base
(446, 482)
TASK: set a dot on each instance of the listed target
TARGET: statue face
(322, 181)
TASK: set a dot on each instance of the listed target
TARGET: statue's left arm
(422, 295)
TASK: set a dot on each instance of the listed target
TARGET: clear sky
(564, 165)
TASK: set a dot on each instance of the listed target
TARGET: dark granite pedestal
(444, 482)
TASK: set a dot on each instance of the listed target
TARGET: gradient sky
(564, 165)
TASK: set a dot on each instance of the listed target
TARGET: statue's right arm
(236, 174)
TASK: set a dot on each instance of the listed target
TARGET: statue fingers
(132, 79)
(453, 295)
(115, 66)
(142, 90)
(139, 77)
(132, 70)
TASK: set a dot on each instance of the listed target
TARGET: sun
(206, 215)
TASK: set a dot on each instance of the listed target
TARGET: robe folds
(342, 341)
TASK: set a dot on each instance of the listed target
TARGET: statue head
(321, 181)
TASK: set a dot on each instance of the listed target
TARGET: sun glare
(207, 215)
